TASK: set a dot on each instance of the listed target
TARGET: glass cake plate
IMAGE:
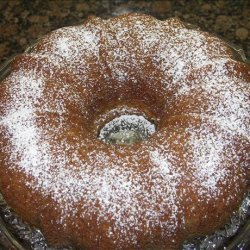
(16, 235)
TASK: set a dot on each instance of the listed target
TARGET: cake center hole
(127, 130)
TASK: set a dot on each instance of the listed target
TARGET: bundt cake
(126, 133)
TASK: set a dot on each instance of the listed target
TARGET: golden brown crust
(184, 181)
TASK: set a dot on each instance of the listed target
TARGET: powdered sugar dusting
(208, 156)
(139, 191)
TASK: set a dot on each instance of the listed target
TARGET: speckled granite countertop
(23, 21)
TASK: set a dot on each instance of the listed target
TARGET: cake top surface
(125, 184)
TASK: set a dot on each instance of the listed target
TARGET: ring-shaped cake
(185, 180)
